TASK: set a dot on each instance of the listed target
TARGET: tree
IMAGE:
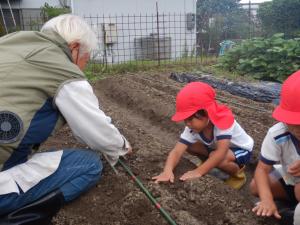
(49, 12)
(280, 16)
(218, 20)
(207, 9)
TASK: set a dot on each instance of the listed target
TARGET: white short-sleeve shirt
(280, 147)
(236, 134)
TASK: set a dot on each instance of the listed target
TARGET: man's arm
(89, 124)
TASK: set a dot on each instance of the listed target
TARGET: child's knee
(222, 165)
(253, 188)
(227, 162)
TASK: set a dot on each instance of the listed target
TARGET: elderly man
(42, 86)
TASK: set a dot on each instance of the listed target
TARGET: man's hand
(266, 208)
(164, 177)
(129, 149)
(193, 174)
(294, 168)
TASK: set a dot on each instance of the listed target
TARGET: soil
(141, 106)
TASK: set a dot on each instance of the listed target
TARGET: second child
(277, 175)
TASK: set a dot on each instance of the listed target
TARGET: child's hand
(192, 174)
(294, 168)
(266, 208)
(164, 177)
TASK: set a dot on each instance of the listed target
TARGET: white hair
(73, 29)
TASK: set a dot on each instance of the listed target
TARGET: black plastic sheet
(261, 91)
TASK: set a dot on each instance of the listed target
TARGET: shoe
(238, 180)
(36, 213)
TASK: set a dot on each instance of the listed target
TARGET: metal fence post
(158, 41)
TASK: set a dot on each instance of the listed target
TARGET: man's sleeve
(80, 108)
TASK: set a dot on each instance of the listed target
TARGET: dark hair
(201, 113)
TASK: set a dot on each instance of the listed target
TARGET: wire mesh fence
(33, 23)
(155, 39)
(144, 39)
(147, 40)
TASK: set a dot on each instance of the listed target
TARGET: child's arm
(213, 161)
(172, 160)
(266, 207)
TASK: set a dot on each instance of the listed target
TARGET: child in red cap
(281, 145)
(211, 131)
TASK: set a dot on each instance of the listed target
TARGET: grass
(95, 71)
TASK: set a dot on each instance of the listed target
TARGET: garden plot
(141, 107)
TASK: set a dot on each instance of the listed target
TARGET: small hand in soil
(266, 208)
(164, 177)
(192, 174)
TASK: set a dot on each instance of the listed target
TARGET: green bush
(48, 12)
(267, 59)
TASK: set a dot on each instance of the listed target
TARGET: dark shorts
(289, 189)
(242, 156)
(290, 192)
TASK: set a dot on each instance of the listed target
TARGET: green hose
(148, 194)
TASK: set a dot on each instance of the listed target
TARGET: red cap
(288, 110)
(197, 95)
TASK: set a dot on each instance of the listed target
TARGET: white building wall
(112, 7)
(137, 19)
